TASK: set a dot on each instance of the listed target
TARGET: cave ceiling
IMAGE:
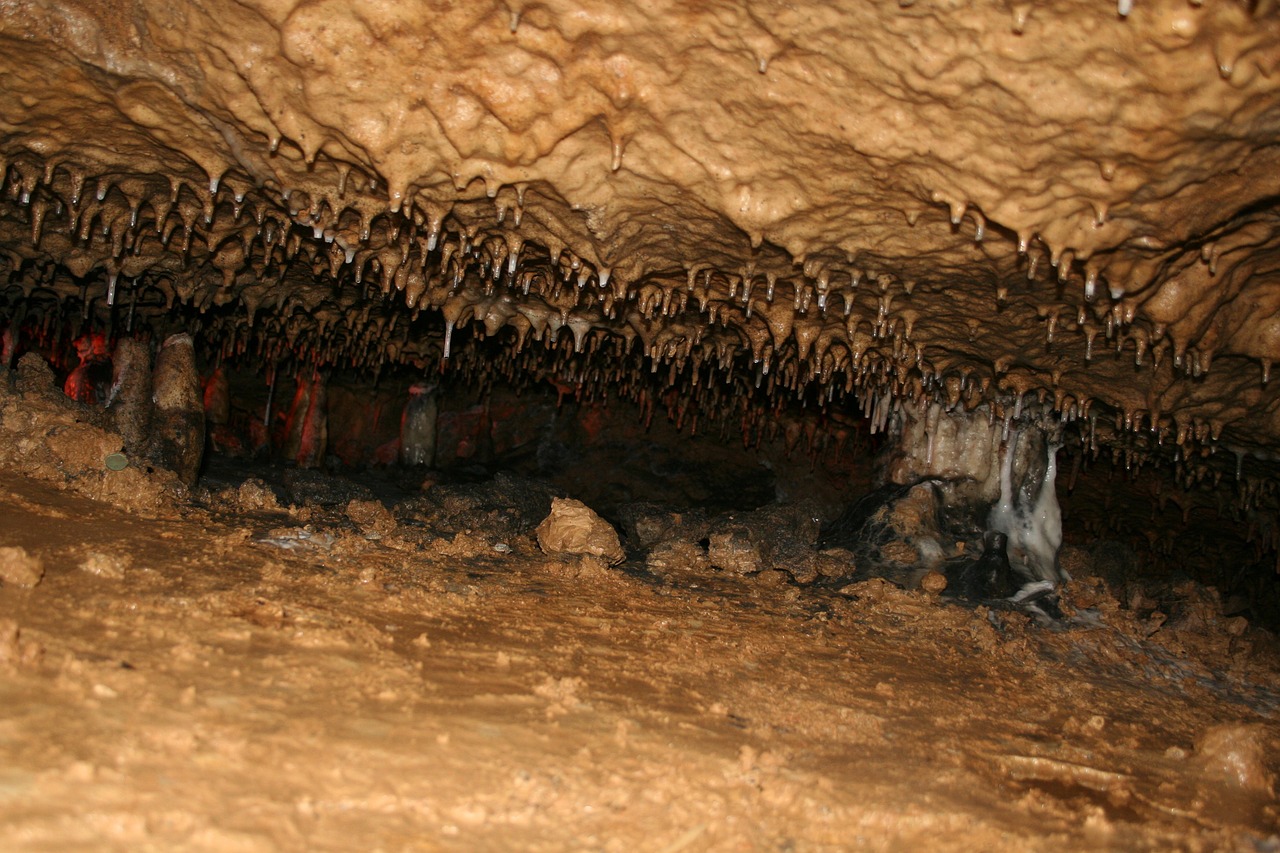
(850, 202)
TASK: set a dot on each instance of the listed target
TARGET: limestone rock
(17, 651)
(418, 424)
(647, 524)
(373, 519)
(1235, 754)
(254, 495)
(105, 565)
(34, 375)
(574, 528)
(734, 551)
(673, 558)
(19, 567)
(129, 404)
(177, 427)
(933, 582)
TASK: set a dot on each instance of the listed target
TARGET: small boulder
(933, 582)
(19, 567)
(734, 551)
(573, 528)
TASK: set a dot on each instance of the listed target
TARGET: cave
(577, 425)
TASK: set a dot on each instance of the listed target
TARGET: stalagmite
(9, 346)
(1028, 512)
(217, 398)
(177, 426)
(418, 425)
(991, 474)
(129, 403)
(315, 426)
(291, 442)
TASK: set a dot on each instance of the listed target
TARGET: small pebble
(933, 582)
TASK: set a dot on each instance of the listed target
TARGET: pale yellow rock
(574, 528)
(105, 565)
(20, 568)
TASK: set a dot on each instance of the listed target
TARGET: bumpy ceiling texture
(958, 201)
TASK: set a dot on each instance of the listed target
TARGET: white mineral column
(1006, 464)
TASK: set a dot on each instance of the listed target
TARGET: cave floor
(222, 682)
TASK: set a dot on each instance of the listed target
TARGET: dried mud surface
(251, 677)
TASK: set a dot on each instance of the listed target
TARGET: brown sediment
(353, 687)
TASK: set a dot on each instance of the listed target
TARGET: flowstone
(966, 494)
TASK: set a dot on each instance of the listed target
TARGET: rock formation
(872, 211)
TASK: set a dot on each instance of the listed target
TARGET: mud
(249, 670)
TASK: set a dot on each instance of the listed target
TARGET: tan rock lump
(573, 528)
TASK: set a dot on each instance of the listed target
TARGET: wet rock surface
(842, 245)
(980, 240)
(53, 438)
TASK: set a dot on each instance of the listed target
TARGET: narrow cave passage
(572, 425)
